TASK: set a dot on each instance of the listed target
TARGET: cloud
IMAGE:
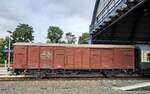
(70, 15)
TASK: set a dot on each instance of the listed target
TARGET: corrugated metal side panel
(20, 57)
(78, 58)
(85, 58)
(129, 59)
(59, 58)
(33, 57)
(46, 57)
(106, 58)
(95, 59)
(123, 59)
(118, 58)
(69, 58)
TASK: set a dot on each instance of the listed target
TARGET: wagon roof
(75, 45)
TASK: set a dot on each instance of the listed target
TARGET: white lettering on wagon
(46, 55)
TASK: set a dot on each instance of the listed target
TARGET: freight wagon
(67, 59)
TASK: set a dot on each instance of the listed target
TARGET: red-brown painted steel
(95, 59)
(33, 57)
(69, 60)
(59, 58)
(47, 57)
(20, 57)
(107, 58)
(78, 58)
(124, 58)
(129, 58)
(85, 58)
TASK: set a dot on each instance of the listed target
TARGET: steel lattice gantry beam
(131, 24)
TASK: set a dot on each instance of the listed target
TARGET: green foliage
(54, 34)
(7, 42)
(83, 38)
(23, 33)
(2, 55)
(62, 42)
(71, 39)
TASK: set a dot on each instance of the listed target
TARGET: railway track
(21, 78)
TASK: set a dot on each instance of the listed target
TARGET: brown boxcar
(72, 57)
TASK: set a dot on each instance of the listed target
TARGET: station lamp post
(9, 44)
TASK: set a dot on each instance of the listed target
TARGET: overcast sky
(70, 15)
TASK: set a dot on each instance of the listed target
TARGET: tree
(7, 42)
(54, 34)
(70, 38)
(2, 54)
(62, 42)
(23, 33)
(83, 38)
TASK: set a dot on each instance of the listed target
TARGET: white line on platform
(132, 87)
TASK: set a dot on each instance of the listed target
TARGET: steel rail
(73, 78)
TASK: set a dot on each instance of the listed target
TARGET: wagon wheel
(130, 73)
(104, 74)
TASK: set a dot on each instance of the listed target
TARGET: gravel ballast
(70, 87)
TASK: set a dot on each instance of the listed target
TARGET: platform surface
(132, 87)
(4, 70)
